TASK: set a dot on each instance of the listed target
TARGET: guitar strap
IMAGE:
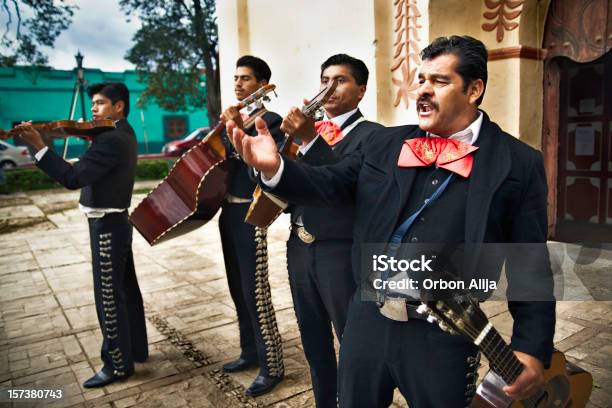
(402, 230)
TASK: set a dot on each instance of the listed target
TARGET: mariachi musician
(319, 247)
(454, 179)
(245, 246)
(105, 174)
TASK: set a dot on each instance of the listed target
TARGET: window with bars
(175, 126)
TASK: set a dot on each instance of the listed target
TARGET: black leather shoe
(101, 379)
(239, 365)
(141, 359)
(262, 385)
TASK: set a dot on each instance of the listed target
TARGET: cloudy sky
(100, 31)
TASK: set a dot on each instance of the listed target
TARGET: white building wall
(294, 37)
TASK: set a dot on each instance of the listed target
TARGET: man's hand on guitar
(299, 126)
(258, 151)
(529, 381)
(232, 113)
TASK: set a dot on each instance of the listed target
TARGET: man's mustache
(428, 101)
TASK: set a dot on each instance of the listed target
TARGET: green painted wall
(45, 95)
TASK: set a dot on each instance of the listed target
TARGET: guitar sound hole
(542, 400)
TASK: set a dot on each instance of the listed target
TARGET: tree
(30, 24)
(177, 43)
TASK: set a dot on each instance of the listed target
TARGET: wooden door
(576, 119)
(584, 178)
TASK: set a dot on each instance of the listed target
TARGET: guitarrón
(195, 187)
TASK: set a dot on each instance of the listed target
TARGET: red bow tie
(329, 131)
(448, 154)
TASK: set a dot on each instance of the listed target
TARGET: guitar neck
(501, 358)
(287, 148)
(250, 122)
(310, 109)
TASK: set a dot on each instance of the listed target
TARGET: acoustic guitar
(194, 189)
(65, 128)
(267, 207)
(566, 385)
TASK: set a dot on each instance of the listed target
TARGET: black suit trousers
(431, 368)
(248, 284)
(118, 299)
(322, 284)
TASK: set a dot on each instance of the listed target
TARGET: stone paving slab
(69, 299)
(18, 256)
(23, 285)
(33, 360)
(15, 310)
(49, 335)
(194, 391)
(294, 383)
(15, 248)
(197, 317)
(37, 326)
(58, 257)
(21, 211)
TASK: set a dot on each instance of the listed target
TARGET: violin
(65, 128)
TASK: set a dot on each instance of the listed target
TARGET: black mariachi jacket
(334, 223)
(105, 172)
(505, 203)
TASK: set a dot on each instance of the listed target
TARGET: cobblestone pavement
(49, 336)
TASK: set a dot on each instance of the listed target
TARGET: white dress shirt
(468, 135)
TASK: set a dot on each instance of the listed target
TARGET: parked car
(13, 156)
(177, 147)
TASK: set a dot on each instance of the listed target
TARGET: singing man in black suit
(319, 247)
(105, 174)
(245, 247)
(497, 196)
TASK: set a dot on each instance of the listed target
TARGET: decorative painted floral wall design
(406, 50)
(502, 12)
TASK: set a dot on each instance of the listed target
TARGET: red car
(176, 148)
